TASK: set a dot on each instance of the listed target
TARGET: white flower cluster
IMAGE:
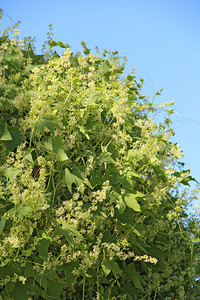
(146, 258)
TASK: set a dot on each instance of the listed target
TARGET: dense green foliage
(91, 197)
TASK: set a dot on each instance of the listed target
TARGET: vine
(91, 197)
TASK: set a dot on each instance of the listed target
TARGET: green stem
(98, 289)
(83, 294)
(31, 138)
(68, 94)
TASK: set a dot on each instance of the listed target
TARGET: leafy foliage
(91, 201)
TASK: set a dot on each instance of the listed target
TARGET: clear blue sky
(161, 39)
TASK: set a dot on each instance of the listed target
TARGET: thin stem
(83, 294)
(68, 94)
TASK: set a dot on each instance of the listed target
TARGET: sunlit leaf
(155, 161)
(62, 155)
(83, 131)
(122, 206)
(130, 200)
(133, 174)
(71, 178)
(29, 156)
(54, 44)
(12, 172)
(23, 210)
(67, 230)
(6, 136)
(86, 50)
(105, 158)
(57, 147)
(92, 98)
(104, 69)
(71, 229)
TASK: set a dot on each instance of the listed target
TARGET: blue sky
(161, 40)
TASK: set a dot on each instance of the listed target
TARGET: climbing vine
(92, 204)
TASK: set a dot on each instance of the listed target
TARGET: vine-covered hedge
(91, 204)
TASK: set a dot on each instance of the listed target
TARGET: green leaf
(36, 59)
(134, 155)
(55, 44)
(42, 248)
(106, 267)
(158, 253)
(56, 145)
(20, 211)
(55, 55)
(47, 142)
(32, 288)
(3, 39)
(15, 142)
(83, 131)
(133, 174)
(6, 136)
(105, 158)
(54, 290)
(11, 173)
(43, 278)
(71, 178)
(9, 287)
(12, 211)
(104, 69)
(122, 204)
(29, 271)
(137, 242)
(185, 180)
(108, 237)
(28, 155)
(130, 290)
(67, 269)
(23, 210)
(92, 98)
(134, 276)
(19, 292)
(130, 200)
(96, 178)
(62, 155)
(86, 50)
(59, 231)
(67, 230)
(126, 183)
(71, 229)
(22, 291)
(17, 77)
(79, 171)
(48, 123)
(110, 265)
(155, 161)
(2, 224)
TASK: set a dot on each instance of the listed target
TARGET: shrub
(91, 203)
